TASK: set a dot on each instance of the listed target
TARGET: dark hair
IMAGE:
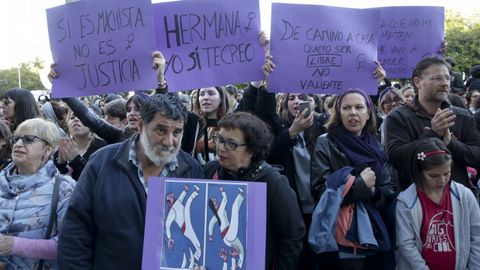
(232, 90)
(25, 105)
(456, 101)
(222, 107)
(137, 99)
(6, 152)
(423, 65)
(421, 161)
(470, 93)
(335, 119)
(116, 108)
(257, 134)
(111, 97)
(169, 105)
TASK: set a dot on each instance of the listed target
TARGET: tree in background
(28, 73)
(463, 39)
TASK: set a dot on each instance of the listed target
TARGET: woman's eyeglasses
(229, 144)
(28, 139)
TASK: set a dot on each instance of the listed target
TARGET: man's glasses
(28, 139)
(229, 144)
(442, 78)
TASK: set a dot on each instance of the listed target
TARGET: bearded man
(104, 224)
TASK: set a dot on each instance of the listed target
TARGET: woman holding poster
(242, 144)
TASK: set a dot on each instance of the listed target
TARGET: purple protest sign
(407, 34)
(321, 49)
(102, 47)
(209, 43)
(193, 222)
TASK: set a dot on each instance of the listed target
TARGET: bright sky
(23, 23)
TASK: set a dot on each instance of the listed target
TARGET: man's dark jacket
(407, 124)
(104, 224)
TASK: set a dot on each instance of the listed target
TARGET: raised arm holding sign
(102, 47)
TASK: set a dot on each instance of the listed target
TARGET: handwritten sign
(321, 49)
(407, 34)
(217, 224)
(209, 43)
(102, 47)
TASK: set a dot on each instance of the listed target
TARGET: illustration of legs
(191, 261)
(231, 238)
(189, 232)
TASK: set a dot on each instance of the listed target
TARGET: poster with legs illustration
(195, 222)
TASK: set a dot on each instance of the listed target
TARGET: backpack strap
(53, 214)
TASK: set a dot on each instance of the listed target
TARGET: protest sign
(192, 222)
(407, 34)
(209, 43)
(321, 49)
(102, 47)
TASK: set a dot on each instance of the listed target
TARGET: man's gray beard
(151, 154)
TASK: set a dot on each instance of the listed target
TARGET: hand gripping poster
(216, 224)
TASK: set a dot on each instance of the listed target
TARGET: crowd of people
(351, 183)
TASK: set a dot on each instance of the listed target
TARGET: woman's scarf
(362, 151)
(12, 183)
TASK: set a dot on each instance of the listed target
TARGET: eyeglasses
(442, 78)
(28, 139)
(396, 100)
(229, 144)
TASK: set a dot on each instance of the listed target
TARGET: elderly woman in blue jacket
(26, 191)
(438, 220)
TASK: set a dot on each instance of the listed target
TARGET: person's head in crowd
(35, 140)
(456, 100)
(56, 112)
(451, 61)
(134, 104)
(388, 100)
(232, 92)
(408, 94)
(397, 86)
(289, 107)
(211, 102)
(116, 113)
(76, 128)
(193, 95)
(186, 100)
(239, 94)
(19, 105)
(96, 109)
(161, 127)
(243, 140)
(354, 111)
(111, 97)
(475, 71)
(5, 145)
(431, 164)
(473, 98)
(431, 81)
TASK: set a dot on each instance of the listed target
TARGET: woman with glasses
(30, 187)
(242, 144)
(19, 105)
(388, 100)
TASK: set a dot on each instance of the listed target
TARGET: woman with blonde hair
(33, 198)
